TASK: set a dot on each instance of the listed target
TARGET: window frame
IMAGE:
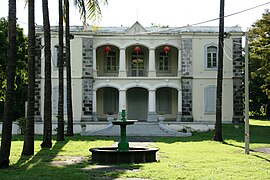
(159, 51)
(161, 95)
(210, 89)
(109, 55)
(55, 55)
(206, 57)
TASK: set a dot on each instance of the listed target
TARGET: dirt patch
(263, 150)
(68, 160)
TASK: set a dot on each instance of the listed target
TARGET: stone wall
(187, 80)
(238, 88)
(87, 79)
(38, 79)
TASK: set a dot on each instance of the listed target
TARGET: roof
(138, 29)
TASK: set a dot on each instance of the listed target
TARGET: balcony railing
(104, 71)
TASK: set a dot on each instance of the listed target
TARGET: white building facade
(147, 72)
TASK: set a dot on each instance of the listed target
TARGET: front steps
(138, 129)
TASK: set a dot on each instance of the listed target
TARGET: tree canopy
(21, 68)
(259, 44)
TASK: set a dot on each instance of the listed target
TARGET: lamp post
(246, 96)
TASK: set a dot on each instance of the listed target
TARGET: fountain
(123, 153)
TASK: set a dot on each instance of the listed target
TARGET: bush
(22, 124)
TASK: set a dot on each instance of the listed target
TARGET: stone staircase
(138, 129)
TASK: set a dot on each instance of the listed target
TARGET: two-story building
(147, 71)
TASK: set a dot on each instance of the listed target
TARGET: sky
(172, 13)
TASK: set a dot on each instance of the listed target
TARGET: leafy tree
(89, 9)
(10, 74)
(20, 91)
(259, 44)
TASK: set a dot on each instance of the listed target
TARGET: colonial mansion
(148, 71)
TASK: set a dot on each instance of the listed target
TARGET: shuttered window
(210, 99)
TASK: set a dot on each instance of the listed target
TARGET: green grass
(196, 157)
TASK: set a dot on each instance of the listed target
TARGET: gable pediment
(136, 28)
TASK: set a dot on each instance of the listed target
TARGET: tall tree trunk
(218, 126)
(68, 68)
(47, 130)
(60, 129)
(28, 146)
(10, 74)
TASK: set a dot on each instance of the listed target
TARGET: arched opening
(107, 60)
(107, 102)
(137, 57)
(167, 102)
(137, 104)
(166, 60)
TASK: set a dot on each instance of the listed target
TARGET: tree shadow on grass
(44, 155)
(48, 164)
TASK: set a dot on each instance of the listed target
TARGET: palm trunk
(47, 131)
(28, 146)
(218, 126)
(60, 129)
(9, 101)
(68, 68)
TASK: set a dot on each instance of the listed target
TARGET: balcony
(168, 71)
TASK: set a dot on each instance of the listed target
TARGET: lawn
(196, 157)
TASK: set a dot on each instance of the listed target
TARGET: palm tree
(89, 9)
(9, 101)
(60, 129)
(68, 68)
(47, 131)
(218, 125)
(28, 146)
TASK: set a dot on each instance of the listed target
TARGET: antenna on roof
(137, 15)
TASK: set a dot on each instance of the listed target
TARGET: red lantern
(137, 49)
(107, 49)
(166, 49)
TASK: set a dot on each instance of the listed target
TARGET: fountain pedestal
(123, 144)
(124, 153)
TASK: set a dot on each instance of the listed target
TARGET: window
(137, 63)
(211, 57)
(210, 99)
(111, 61)
(110, 100)
(56, 54)
(163, 61)
(55, 99)
(164, 100)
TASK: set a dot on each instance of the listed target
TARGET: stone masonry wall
(238, 88)
(38, 79)
(187, 80)
(87, 79)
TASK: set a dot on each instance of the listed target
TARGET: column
(94, 106)
(152, 114)
(94, 63)
(179, 63)
(152, 64)
(179, 107)
(122, 102)
(122, 63)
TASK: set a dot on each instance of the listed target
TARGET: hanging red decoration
(166, 49)
(107, 49)
(137, 49)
